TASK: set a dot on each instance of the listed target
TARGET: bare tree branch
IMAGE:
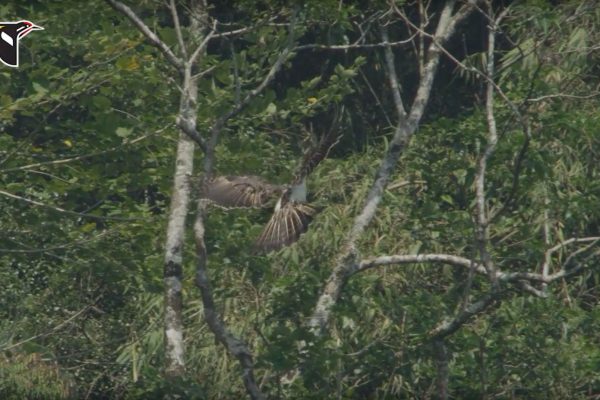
(201, 74)
(200, 49)
(418, 258)
(482, 221)
(423, 22)
(527, 287)
(243, 30)
(441, 363)
(189, 128)
(562, 272)
(125, 143)
(563, 96)
(63, 211)
(479, 73)
(186, 120)
(344, 47)
(392, 75)
(173, 260)
(347, 261)
(151, 36)
(234, 346)
(374, 94)
(178, 32)
(449, 326)
(466, 263)
(222, 120)
(234, 32)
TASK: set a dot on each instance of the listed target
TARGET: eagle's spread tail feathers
(287, 223)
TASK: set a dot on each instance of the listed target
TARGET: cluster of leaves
(30, 376)
(76, 140)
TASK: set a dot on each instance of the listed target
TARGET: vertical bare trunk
(180, 199)
(234, 345)
(482, 218)
(441, 365)
(173, 275)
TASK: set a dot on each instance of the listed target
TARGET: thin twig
(482, 221)
(151, 36)
(344, 47)
(63, 211)
(392, 75)
(54, 329)
(84, 156)
(58, 247)
(203, 45)
(563, 96)
(178, 28)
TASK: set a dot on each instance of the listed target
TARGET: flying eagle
(291, 214)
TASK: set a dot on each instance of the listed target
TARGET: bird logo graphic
(10, 35)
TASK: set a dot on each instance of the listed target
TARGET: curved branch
(463, 262)
(189, 128)
(450, 326)
(419, 258)
(234, 346)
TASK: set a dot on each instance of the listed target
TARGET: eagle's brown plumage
(241, 191)
(288, 222)
(292, 214)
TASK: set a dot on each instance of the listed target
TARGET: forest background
(455, 254)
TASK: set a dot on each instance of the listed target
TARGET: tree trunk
(441, 364)
(180, 198)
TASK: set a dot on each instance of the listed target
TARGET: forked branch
(347, 261)
(146, 31)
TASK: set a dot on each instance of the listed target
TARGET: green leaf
(123, 132)
(101, 102)
(271, 109)
(39, 88)
(448, 199)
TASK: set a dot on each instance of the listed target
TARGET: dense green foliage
(87, 145)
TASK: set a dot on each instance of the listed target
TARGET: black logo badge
(10, 34)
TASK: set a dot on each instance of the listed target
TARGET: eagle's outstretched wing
(292, 214)
(317, 153)
(241, 191)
